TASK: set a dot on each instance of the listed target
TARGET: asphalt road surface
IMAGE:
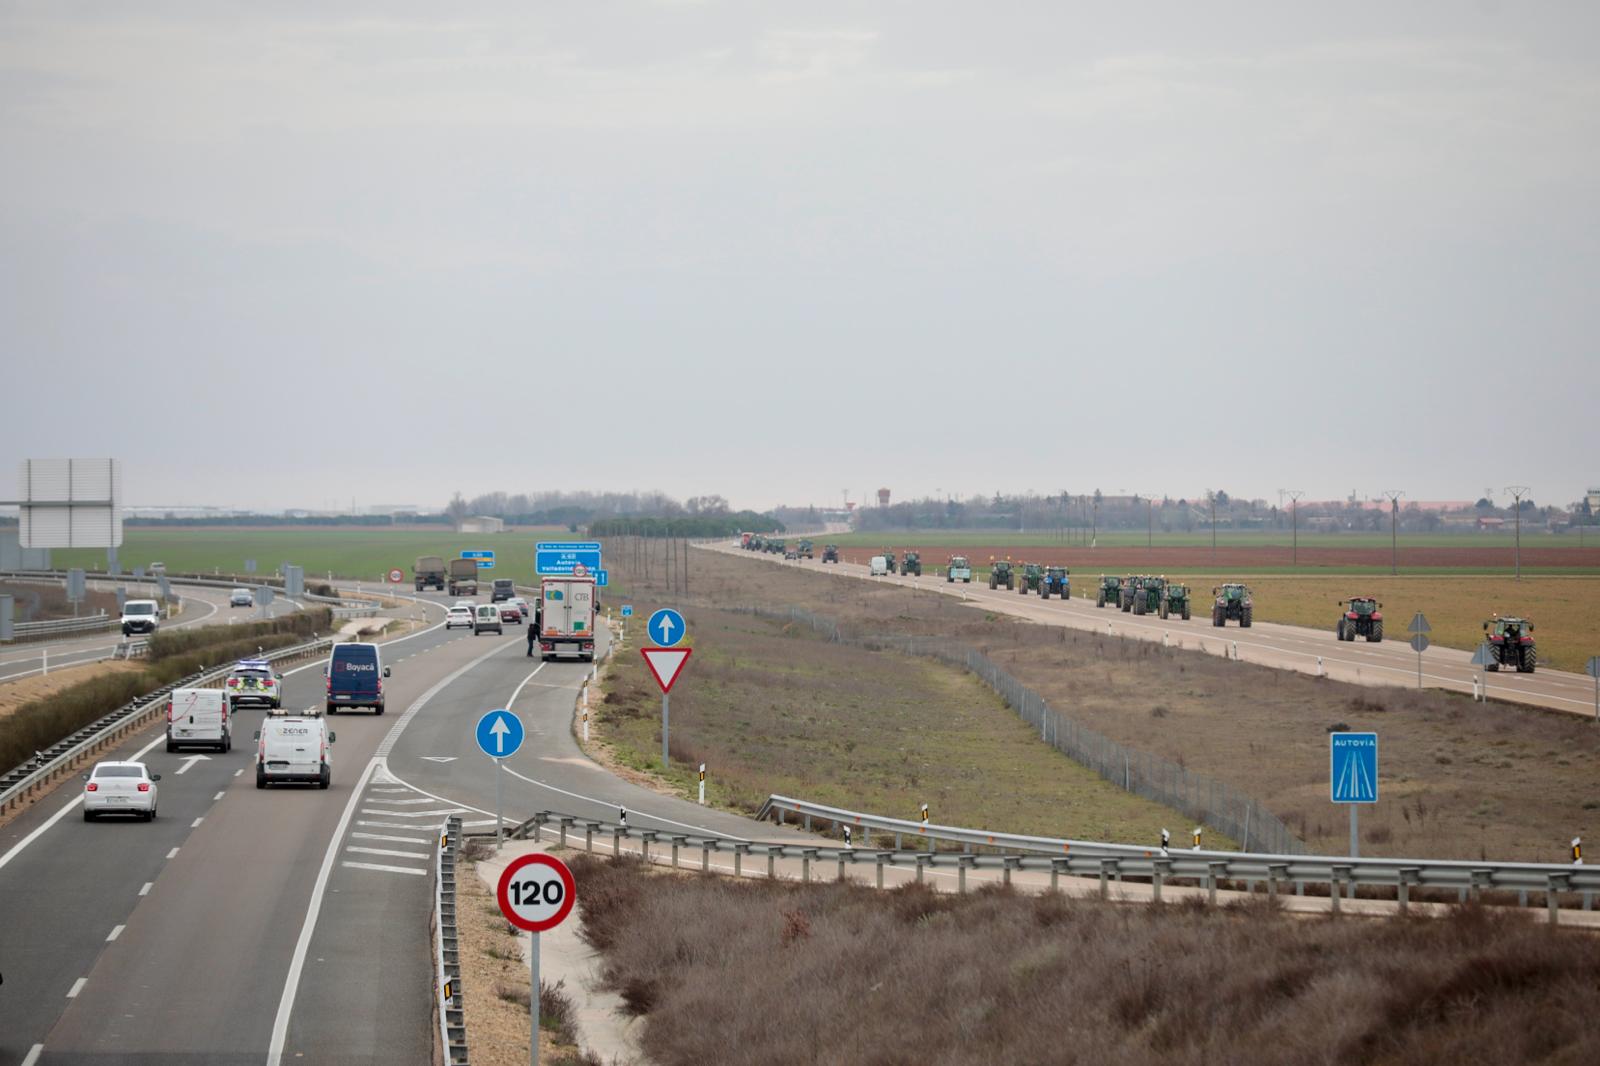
(1391, 662)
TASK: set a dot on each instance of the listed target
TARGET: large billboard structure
(69, 503)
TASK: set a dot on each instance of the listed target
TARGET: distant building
(482, 524)
(1492, 524)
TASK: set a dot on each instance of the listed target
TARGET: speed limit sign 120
(537, 892)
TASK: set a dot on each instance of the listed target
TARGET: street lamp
(1393, 496)
(1294, 512)
(1517, 493)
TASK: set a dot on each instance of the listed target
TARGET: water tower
(883, 497)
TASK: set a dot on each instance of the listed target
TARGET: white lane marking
(148, 885)
(115, 933)
(196, 823)
(77, 986)
(402, 791)
(33, 1055)
(609, 803)
(291, 982)
(387, 851)
(388, 825)
(390, 838)
(518, 691)
(236, 773)
(373, 866)
(408, 802)
(218, 796)
(414, 814)
(172, 854)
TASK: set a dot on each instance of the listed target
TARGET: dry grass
(41, 603)
(1459, 779)
(14, 694)
(777, 973)
(774, 709)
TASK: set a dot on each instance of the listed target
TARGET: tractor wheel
(949, 580)
(1216, 617)
(1375, 634)
(1100, 599)
(1530, 659)
(1493, 668)
(1011, 582)
(1044, 592)
(1185, 612)
(1066, 592)
(1023, 588)
(1139, 605)
(991, 581)
(1163, 611)
(1338, 630)
(1127, 604)
(1244, 619)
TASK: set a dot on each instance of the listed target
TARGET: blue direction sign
(557, 558)
(601, 578)
(627, 610)
(499, 734)
(1353, 767)
(666, 627)
(484, 559)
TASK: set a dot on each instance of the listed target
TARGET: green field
(363, 554)
(1200, 538)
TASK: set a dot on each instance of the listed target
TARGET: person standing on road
(533, 633)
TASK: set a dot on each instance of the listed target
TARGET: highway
(1390, 662)
(201, 606)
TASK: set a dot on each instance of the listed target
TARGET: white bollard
(702, 784)
(586, 725)
(1319, 667)
(1166, 640)
(47, 661)
(1236, 651)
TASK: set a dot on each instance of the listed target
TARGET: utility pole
(1294, 512)
(1212, 497)
(1150, 524)
(1393, 496)
(1517, 493)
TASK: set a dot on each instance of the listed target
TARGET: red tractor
(1511, 644)
(1362, 618)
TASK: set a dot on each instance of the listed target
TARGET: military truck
(1031, 579)
(1147, 597)
(888, 559)
(1055, 583)
(1110, 591)
(1361, 618)
(428, 573)
(463, 577)
(912, 564)
(805, 549)
(830, 553)
(1511, 645)
(1000, 573)
(958, 569)
(1233, 603)
(1175, 600)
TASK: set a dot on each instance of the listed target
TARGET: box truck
(566, 618)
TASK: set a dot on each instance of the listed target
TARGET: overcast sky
(294, 254)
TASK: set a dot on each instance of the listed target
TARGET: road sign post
(1482, 658)
(1353, 776)
(1420, 628)
(499, 734)
(665, 665)
(1593, 670)
(536, 892)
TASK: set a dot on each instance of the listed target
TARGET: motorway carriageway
(1391, 662)
(201, 606)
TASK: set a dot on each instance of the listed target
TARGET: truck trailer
(463, 577)
(566, 618)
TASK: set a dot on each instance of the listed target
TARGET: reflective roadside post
(1593, 670)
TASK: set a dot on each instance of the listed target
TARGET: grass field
(1125, 538)
(362, 554)
(769, 712)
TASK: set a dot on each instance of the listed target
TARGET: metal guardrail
(1464, 876)
(446, 950)
(131, 649)
(26, 631)
(20, 783)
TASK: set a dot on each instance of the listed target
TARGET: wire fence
(1209, 802)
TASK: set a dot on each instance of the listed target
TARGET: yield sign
(665, 664)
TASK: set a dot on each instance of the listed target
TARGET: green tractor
(1511, 645)
(1361, 618)
(1147, 597)
(830, 553)
(1000, 573)
(777, 547)
(1233, 602)
(758, 543)
(1032, 579)
(888, 557)
(1130, 591)
(1175, 600)
(958, 570)
(806, 550)
(1056, 583)
(1110, 591)
(912, 564)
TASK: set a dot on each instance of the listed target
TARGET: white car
(120, 788)
(458, 616)
(241, 598)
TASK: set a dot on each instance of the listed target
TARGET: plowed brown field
(1243, 559)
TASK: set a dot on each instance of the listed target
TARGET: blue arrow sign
(666, 627)
(627, 610)
(1353, 767)
(601, 578)
(499, 734)
(559, 558)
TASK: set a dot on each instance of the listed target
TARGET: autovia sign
(1353, 767)
(562, 558)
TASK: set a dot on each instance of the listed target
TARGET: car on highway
(521, 605)
(199, 717)
(120, 788)
(294, 747)
(254, 681)
(241, 598)
(157, 568)
(458, 616)
(485, 618)
(140, 616)
(510, 613)
(504, 589)
(355, 674)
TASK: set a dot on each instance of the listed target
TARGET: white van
(294, 747)
(199, 716)
(879, 566)
(140, 616)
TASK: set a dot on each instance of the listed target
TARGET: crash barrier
(57, 627)
(446, 948)
(1200, 797)
(1104, 863)
(20, 784)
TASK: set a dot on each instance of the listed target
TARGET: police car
(253, 681)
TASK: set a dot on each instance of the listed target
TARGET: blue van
(355, 677)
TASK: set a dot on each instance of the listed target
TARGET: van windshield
(139, 608)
